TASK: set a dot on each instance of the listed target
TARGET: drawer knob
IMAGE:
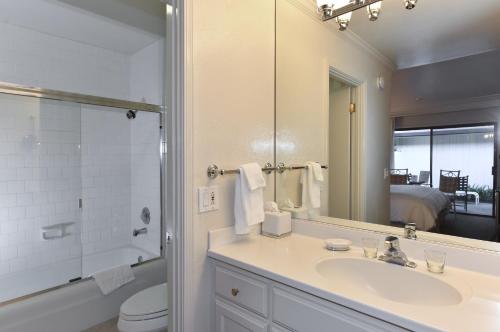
(235, 291)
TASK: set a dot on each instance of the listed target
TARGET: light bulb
(410, 4)
(325, 7)
(344, 19)
(374, 10)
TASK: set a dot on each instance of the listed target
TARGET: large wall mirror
(401, 112)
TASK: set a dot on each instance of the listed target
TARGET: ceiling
(124, 26)
(436, 30)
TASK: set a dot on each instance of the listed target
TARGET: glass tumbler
(370, 247)
(435, 260)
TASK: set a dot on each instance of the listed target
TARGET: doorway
(342, 146)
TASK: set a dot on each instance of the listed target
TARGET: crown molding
(309, 8)
(457, 105)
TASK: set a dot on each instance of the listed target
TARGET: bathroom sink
(392, 282)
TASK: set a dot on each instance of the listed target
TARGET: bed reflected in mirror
(405, 128)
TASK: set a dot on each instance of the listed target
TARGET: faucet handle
(410, 231)
(391, 243)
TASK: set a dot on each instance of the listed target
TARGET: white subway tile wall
(106, 179)
(40, 182)
(54, 153)
(145, 162)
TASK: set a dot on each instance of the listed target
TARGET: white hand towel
(114, 278)
(311, 180)
(248, 202)
(317, 171)
(253, 176)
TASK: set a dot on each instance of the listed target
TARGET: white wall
(306, 48)
(32, 58)
(233, 120)
(147, 74)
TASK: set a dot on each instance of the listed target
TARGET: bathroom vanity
(295, 284)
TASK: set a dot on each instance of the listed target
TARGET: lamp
(341, 10)
(374, 10)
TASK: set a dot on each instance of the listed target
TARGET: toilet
(146, 311)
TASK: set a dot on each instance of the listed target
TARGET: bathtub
(15, 285)
(78, 306)
(104, 260)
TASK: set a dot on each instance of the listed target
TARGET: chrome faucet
(140, 231)
(410, 231)
(393, 253)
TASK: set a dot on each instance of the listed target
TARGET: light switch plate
(208, 199)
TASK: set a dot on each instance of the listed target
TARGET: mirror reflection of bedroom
(445, 109)
(401, 114)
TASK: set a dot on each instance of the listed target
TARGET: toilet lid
(148, 303)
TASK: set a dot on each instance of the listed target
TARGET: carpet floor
(473, 227)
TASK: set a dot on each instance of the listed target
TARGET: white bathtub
(108, 259)
(30, 281)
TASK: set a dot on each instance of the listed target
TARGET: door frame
(357, 142)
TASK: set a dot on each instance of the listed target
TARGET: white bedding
(417, 204)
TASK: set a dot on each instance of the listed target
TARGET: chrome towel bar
(214, 171)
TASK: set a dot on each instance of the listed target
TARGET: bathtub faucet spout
(140, 231)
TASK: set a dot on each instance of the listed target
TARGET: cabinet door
(229, 318)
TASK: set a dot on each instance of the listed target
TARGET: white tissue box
(277, 224)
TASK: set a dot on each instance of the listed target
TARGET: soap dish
(338, 244)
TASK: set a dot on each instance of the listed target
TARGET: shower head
(131, 114)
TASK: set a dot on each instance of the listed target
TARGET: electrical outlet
(386, 173)
(208, 199)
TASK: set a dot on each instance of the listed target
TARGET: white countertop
(292, 261)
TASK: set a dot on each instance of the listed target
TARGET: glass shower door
(40, 188)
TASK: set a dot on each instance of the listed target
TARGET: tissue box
(277, 224)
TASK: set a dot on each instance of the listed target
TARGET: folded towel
(114, 278)
(248, 202)
(317, 171)
(311, 180)
(253, 176)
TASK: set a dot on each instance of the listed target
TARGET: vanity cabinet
(247, 302)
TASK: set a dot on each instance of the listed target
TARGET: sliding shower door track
(20, 90)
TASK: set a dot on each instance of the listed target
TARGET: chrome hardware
(393, 253)
(213, 170)
(410, 231)
(281, 167)
(235, 291)
(140, 231)
(145, 216)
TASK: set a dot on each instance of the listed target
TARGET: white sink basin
(392, 282)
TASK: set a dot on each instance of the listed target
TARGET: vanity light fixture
(341, 10)
(374, 10)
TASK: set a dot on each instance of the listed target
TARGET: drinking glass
(370, 247)
(435, 260)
